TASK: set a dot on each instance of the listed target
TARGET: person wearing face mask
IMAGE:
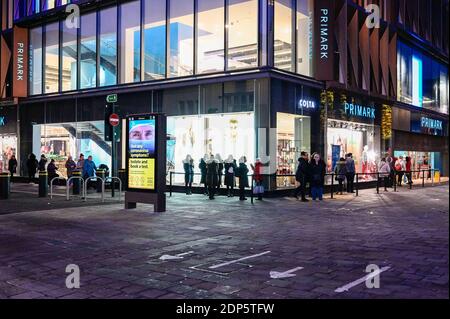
(188, 166)
(230, 170)
(317, 167)
(243, 177)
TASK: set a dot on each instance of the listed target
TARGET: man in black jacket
(301, 175)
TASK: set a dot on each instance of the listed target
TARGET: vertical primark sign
(20, 59)
(324, 39)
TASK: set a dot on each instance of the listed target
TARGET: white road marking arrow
(361, 280)
(238, 260)
(176, 257)
(285, 274)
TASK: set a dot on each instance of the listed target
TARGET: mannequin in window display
(188, 165)
(365, 161)
(202, 167)
(220, 171)
(230, 169)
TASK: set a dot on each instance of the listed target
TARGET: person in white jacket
(384, 169)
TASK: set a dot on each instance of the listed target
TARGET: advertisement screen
(141, 152)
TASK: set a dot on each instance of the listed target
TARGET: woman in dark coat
(202, 167)
(212, 176)
(42, 163)
(188, 165)
(243, 177)
(32, 165)
(230, 170)
(12, 165)
(317, 168)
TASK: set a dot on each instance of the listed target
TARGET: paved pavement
(227, 248)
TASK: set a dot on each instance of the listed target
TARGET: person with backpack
(340, 171)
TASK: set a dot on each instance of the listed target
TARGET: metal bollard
(76, 183)
(43, 184)
(101, 174)
(4, 186)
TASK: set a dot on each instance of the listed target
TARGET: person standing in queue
(70, 166)
(32, 165)
(301, 176)
(12, 165)
(340, 172)
(188, 165)
(89, 169)
(80, 164)
(385, 171)
(212, 176)
(258, 178)
(317, 166)
(52, 170)
(220, 171)
(243, 177)
(42, 163)
(202, 167)
(230, 170)
(351, 171)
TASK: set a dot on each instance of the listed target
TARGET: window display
(223, 134)
(8, 148)
(61, 140)
(362, 140)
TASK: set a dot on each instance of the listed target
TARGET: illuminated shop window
(108, 46)
(130, 42)
(154, 45)
(283, 35)
(35, 61)
(305, 24)
(69, 58)
(88, 51)
(51, 75)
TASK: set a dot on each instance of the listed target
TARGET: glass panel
(283, 35)
(88, 51)
(69, 58)
(181, 38)
(242, 34)
(304, 36)
(108, 47)
(51, 80)
(210, 33)
(130, 42)
(154, 39)
(35, 65)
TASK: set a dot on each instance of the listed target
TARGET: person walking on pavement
(230, 170)
(242, 173)
(70, 166)
(350, 172)
(258, 178)
(212, 176)
(301, 176)
(408, 164)
(220, 171)
(188, 165)
(340, 172)
(384, 171)
(202, 167)
(317, 166)
(12, 165)
(32, 165)
(42, 163)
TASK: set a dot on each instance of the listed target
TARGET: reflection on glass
(210, 33)
(88, 51)
(154, 44)
(242, 34)
(69, 58)
(130, 42)
(283, 35)
(304, 36)
(51, 80)
(181, 48)
(35, 67)
(108, 46)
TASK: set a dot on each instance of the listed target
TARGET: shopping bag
(258, 189)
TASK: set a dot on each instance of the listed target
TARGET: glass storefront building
(235, 77)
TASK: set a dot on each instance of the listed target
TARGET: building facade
(254, 78)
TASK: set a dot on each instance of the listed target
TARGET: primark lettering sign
(2, 121)
(367, 112)
(433, 124)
